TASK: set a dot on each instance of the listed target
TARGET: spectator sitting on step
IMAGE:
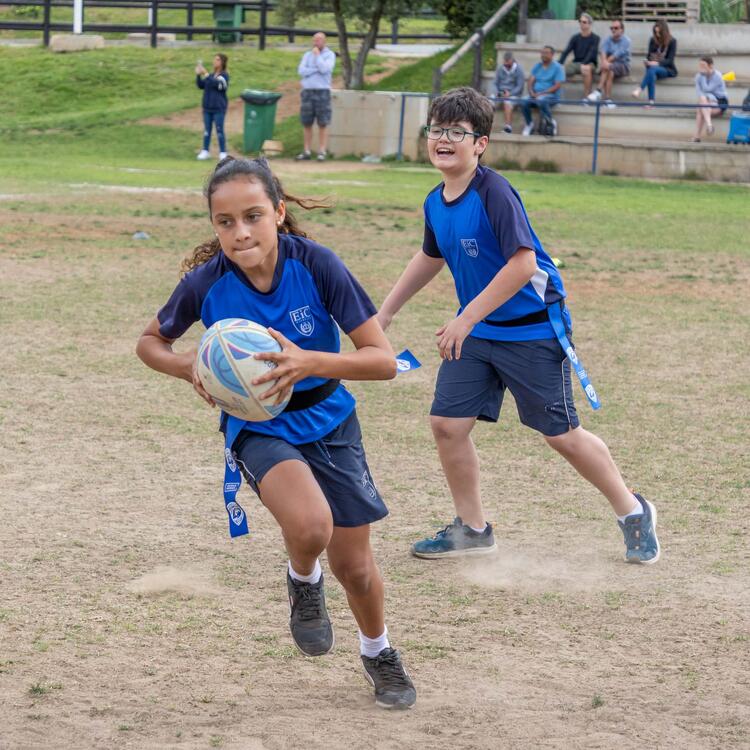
(709, 85)
(545, 87)
(659, 61)
(614, 62)
(509, 81)
(585, 49)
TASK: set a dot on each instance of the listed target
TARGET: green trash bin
(562, 9)
(228, 16)
(260, 114)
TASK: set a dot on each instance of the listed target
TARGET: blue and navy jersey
(312, 294)
(214, 91)
(477, 234)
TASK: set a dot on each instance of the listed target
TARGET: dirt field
(128, 619)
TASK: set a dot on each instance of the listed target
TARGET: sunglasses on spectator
(615, 28)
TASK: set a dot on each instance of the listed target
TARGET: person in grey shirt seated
(614, 62)
(710, 88)
(509, 81)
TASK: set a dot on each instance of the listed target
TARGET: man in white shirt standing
(315, 70)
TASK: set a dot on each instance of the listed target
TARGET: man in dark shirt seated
(585, 49)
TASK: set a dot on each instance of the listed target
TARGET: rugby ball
(226, 368)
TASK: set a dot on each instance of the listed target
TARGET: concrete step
(627, 123)
(704, 38)
(657, 159)
(672, 90)
(686, 60)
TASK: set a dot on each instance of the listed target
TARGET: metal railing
(153, 27)
(476, 42)
(575, 102)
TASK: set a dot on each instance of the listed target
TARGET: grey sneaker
(456, 540)
(393, 686)
(304, 156)
(311, 628)
(322, 155)
(642, 546)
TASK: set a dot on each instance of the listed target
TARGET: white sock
(314, 577)
(479, 531)
(637, 511)
(371, 647)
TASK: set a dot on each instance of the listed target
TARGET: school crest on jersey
(302, 320)
(471, 248)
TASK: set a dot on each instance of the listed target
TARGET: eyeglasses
(455, 135)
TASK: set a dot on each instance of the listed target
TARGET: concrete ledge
(75, 42)
(653, 159)
(144, 38)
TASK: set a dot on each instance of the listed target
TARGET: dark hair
(224, 60)
(253, 170)
(550, 48)
(463, 104)
(620, 21)
(664, 36)
(708, 59)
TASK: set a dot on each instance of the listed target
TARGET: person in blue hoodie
(214, 85)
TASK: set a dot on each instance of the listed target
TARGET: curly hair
(254, 170)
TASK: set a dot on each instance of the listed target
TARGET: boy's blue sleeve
(429, 244)
(506, 216)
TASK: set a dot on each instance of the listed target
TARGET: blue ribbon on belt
(555, 313)
(233, 480)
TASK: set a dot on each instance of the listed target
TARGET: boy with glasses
(585, 49)
(614, 62)
(508, 333)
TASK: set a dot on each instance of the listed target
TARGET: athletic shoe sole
(396, 706)
(471, 551)
(656, 557)
(312, 656)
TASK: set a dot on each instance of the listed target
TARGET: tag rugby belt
(305, 399)
(542, 316)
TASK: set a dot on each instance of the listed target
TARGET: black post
(523, 15)
(190, 21)
(45, 21)
(154, 21)
(477, 77)
(394, 30)
(263, 24)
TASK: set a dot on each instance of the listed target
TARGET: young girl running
(307, 465)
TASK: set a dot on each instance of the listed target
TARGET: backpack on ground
(546, 126)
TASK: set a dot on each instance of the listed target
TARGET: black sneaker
(393, 686)
(311, 628)
(304, 156)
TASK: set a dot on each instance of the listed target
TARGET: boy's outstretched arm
(421, 270)
(506, 282)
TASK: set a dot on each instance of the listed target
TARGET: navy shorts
(337, 461)
(316, 105)
(537, 373)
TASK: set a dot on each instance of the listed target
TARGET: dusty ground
(128, 619)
